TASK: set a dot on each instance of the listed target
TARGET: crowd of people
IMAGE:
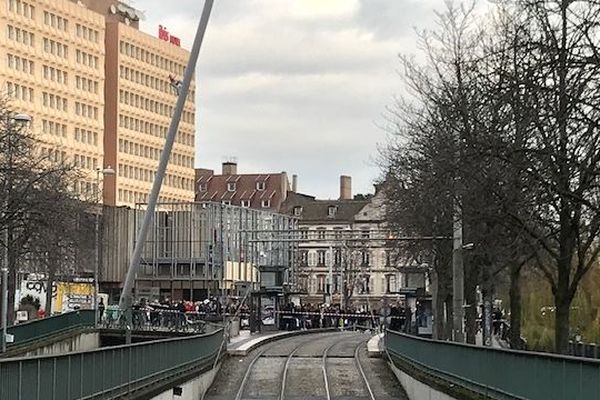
(311, 316)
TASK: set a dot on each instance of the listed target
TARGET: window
(337, 257)
(331, 211)
(297, 210)
(366, 258)
(321, 257)
(265, 203)
(231, 186)
(260, 186)
(303, 257)
(246, 203)
(304, 233)
(321, 233)
(365, 234)
(226, 202)
(337, 232)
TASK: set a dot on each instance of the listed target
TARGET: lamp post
(20, 120)
(105, 172)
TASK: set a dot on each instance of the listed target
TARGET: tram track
(301, 356)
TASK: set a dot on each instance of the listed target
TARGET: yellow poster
(72, 296)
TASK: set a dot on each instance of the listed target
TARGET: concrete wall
(194, 389)
(417, 390)
(82, 342)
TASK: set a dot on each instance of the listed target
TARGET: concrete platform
(246, 342)
(375, 345)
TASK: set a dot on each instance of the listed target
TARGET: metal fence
(157, 320)
(497, 373)
(36, 329)
(108, 373)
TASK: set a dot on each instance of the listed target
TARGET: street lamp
(21, 120)
(108, 171)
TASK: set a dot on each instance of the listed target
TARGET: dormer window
(231, 186)
(298, 210)
(331, 210)
(245, 203)
(265, 203)
(202, 186)
(260, 186)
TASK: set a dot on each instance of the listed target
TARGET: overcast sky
(296, 85)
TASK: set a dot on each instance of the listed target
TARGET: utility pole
(126, 300)
(458, 275)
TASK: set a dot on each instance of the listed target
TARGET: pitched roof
(243, 187)
(318, 210)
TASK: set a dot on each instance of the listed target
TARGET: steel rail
(362, 372)
(325, 371)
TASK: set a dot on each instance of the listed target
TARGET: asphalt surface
(305, 377)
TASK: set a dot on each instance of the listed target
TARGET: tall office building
(139, 102)
(100, 92)
(52, 65)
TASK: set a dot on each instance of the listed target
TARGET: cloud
(296, 85)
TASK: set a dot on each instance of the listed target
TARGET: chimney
(229, 168)
(345, 187)
(294, 183)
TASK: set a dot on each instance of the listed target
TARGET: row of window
(54, 128)
(231, 186)
(85, 84)
(55, 75)
(20, 35)
(88, 189)
(86, 136)
(55, 21)
(56, 48)
(86, 110)
(51, 73)
(87, 59)
(138, 101)
(54, 155)
(153, 153)
(19, 92)
(321, 233)
(148, 175)
(82, 161)
(129, 196)
(87, 33)
(149, 128)
(22, 8)
(20, 64)
(322, 258)
(246, 203)
(144, 103)
(147, 56)
(150, 81)
(52, 100)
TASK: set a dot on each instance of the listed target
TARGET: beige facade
(99, 92)
(52, 66)
(139, 105)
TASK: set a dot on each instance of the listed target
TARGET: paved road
(321, 366)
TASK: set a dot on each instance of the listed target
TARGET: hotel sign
(163, 34)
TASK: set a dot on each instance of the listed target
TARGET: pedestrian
(101, 308)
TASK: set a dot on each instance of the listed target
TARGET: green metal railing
(496, 373)
(39, 328)
(108, 373)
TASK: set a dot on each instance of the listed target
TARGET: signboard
(163, 34)
(22, 316)
(36, 288)
(72, 296)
